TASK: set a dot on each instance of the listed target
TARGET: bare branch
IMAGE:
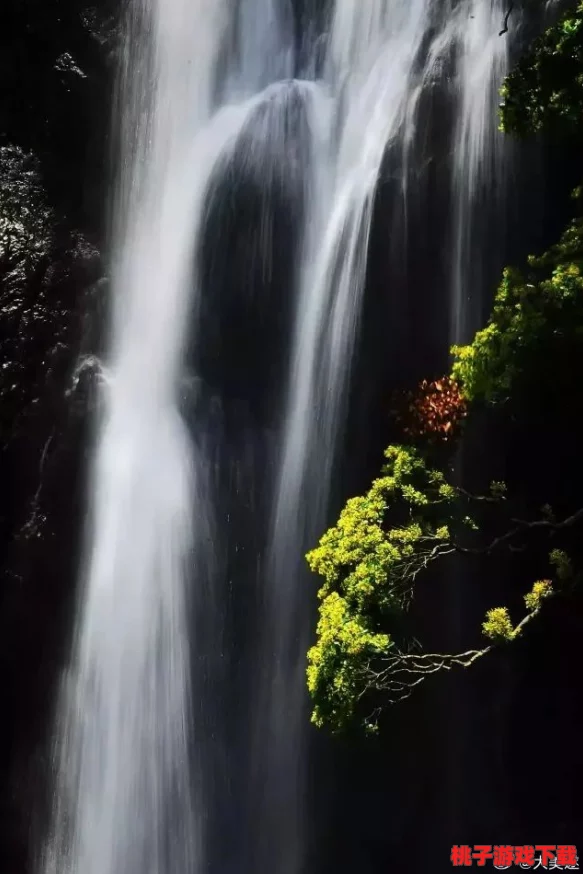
(528, 618)
(405, 573)
(488, 499)
(506, 19)
(521, 528)
(402, 672)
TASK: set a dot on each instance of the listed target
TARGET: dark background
(489, 756)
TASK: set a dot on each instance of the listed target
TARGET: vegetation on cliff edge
(384, 549)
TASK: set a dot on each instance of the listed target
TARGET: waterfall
(376, 66)
(479, 157)
(124, 798)
(254, 134)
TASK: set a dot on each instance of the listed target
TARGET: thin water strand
(480, 153)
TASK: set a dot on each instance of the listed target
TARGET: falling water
(479, 156)
(380, 56)
(361, 102)
(124, 803)
(224, 105)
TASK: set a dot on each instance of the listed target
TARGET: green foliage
(345, 646)
(369, 561)
(498, 490)
(541, 589)
(545, 90)
(562, 564)
(498, 625)
(535, 319)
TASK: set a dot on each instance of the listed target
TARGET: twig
(506, 19)
(489, 499)
(521, 527)
(402, 672)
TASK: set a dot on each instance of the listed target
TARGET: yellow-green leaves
(498, 625)
(368, 562)
(562, 564)
(446, 492)
(540, 590)
(532, 319)
(345, 646)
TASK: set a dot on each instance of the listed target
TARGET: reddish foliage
(434, 410)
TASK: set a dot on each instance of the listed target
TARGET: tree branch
(402, 672)
(521, 527)
(506, 19)
(488, 499)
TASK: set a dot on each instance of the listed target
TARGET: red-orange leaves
(434, 410)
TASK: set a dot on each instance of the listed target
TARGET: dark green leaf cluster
(537, 318)
(545, 90)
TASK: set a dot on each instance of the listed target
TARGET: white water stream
(129, 796)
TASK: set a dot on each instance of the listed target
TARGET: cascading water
(213, 121)
(380, 55)
(479, 156)
(124, 798)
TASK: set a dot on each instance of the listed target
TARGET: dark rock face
(54, 97)
(55, 85)
(42, 507)
(250, 254)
